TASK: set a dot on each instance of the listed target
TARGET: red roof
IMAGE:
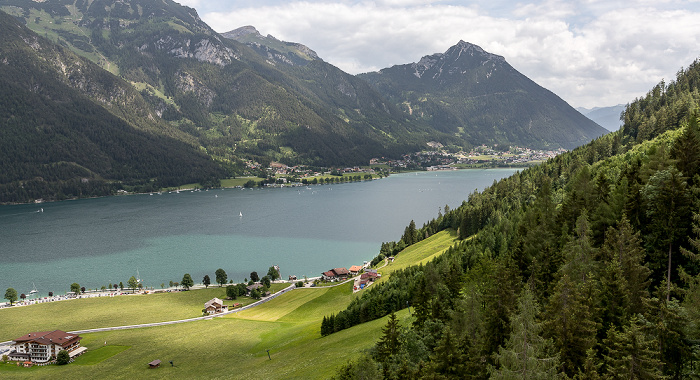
(341, 271)
(368, 275)
(330, 273)
(355, 268)
(59, 337)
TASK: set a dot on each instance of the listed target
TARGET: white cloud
(590, 53)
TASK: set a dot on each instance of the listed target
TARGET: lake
(304, 230)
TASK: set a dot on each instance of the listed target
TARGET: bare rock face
(203, 50)
(188, 83)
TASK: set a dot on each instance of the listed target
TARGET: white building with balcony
(41, 347)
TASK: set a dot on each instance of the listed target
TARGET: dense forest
(585, 267)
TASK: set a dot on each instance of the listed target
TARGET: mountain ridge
(458, 86)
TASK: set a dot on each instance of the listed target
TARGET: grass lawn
(98, 355)
(97, 312)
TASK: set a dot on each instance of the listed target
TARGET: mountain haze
(606, 117)
(478, 96)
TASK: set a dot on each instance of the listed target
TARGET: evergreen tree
(206, 281)
(668, 326)
(686, 149)
(625, 247)
(668, 209)
(579, 252)
(631, 354)
(500, 301)
(569, 322)
(447, 361)
(389, 344)
(526, 355)
(410, 235)
(614, 307)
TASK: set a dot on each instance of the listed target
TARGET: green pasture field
(420, 253)
(234, 346)
(89, 313)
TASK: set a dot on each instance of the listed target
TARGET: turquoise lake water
(304, 230)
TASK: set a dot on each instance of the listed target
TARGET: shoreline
(272, 186)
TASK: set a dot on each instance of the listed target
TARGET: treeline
(583, 267)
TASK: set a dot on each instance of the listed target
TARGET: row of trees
(187, 282)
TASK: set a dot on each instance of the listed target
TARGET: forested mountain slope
(478, 96)
(69, 129)
(236, 104)
(585, 267)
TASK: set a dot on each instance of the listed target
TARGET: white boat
(240, 214)
(33, 289)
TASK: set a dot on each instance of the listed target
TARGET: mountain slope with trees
(481, 98)
(594, 256)
(233, 102)
(57, 142)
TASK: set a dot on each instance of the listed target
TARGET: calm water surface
(304, 230)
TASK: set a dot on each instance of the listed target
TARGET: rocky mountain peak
(242, 32)
(455, 60)
(274, 49)
(472, 50)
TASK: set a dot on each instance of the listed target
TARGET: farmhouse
(215, 306)
(41, 347)
(336, 274)
(355, 269)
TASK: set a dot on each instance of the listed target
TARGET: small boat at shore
(33, 289)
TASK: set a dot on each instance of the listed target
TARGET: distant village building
(41, 347)
(215, 306)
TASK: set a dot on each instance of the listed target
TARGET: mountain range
(223, 102)
(606, 117)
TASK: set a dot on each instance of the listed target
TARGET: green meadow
(420, 253)
(234, 346)
(90, 313)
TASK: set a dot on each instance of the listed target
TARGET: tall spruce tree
(569, 322)
(526, 355)
(631, 354)
(624, 246)
(668, 209)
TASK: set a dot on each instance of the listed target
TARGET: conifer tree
(526, 355)
(569, 322)
(625, 247)
(667, 325)
(667, 207)
(579, 252)
(447, 360)
(631, 354)
(686, 149)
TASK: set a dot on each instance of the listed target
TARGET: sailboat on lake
(33, 289)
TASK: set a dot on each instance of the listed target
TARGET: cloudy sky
(589, 52)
